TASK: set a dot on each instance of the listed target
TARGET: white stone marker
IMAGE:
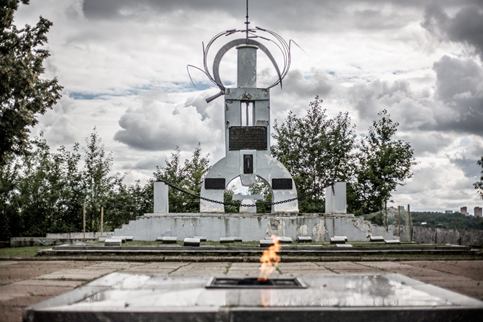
(191, 242)
(304, 239)
(113, 242)
(120, 238)
(285, 240)
(167, 240)
(336, 199)
(266, 242)
(343, 245)
(337, 240)
(161, 201)
(376, 239)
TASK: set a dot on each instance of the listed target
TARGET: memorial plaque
(248, 138)
(281, 184)
(215, 183)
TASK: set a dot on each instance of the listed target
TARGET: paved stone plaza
(27, 282)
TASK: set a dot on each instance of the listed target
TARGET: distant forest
(441, 220)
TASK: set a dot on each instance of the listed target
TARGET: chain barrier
(263, 203)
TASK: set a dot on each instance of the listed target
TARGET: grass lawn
(21, 251)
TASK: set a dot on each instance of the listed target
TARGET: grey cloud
(411, 110)
(465, 27)
(159, 126)
(427, 143)
(148, 164)
(312, 84)
(375, 20)
(58, 124)
(460, 87)
(275, 14)
(469, 166)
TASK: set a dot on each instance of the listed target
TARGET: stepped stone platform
(252, 227)
(301, 252)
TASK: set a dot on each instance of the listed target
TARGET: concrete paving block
(392, 241)
(304, 239)
(376, 239)
(337, 240)
(343, 245)
(227, 240)
(167, 240)
(266, 242)
(191, 242)
(113, 242)
(201, 238)
(285, 240)
(343, 237)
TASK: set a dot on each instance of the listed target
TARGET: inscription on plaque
(215, 183)
(281, 184)
(248, 138)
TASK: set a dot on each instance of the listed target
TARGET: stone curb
(230, 259)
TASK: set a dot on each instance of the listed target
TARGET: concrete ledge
(392, 241)
(227, 240)
(43, 241)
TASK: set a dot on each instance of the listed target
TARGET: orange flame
(269, 259)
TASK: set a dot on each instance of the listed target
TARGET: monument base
(251, 227)
(125, 297)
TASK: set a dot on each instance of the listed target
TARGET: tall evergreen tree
(23, 93)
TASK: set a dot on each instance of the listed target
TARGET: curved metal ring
(223, 50)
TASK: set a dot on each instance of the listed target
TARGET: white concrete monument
(247, 127)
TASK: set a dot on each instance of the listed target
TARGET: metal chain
(264, 203)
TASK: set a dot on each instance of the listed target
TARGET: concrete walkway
(23, 283)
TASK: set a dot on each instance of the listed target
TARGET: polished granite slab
(138, 297)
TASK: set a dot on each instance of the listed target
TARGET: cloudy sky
(123, 67)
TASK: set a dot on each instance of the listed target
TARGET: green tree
(126, 202)
(479, 184)
(97, 180)
(317, 151)
(9, 210)
(23, 93)
(384, 164)
(188, 176)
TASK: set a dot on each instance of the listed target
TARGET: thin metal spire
(247, 22)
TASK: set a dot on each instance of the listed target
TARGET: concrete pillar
(247, 66)
(161, 199)
(336, 198)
